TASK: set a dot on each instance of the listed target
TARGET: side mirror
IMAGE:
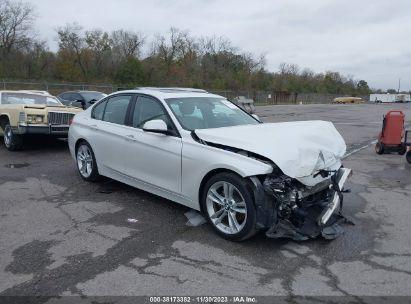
(256, 117)
(156, 126)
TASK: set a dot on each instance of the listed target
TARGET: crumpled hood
(298, 148)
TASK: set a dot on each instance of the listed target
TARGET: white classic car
(200, 150)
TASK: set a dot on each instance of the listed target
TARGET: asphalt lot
(62, 236)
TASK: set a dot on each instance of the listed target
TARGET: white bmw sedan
(201, 150)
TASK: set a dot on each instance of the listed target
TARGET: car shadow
(38, 143)
(203, 233)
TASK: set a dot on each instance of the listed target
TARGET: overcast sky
(370, 40)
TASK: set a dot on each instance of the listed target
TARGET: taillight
(71, 121)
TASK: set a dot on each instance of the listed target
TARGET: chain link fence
(56, 88)
(259, 97)
(280, 97)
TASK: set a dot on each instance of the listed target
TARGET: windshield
(92, 96)
(29, 99)
(208, 112)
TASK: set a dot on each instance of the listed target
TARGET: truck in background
(386, 98)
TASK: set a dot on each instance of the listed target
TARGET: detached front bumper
(317, 211)
(335, 203)
(53, 130)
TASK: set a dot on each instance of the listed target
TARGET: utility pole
(399, 85)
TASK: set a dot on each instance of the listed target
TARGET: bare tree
(127, 44)
(289, 69)
(171, 47)
(253, 64)
(100, 45)
(71, 39)
(15, 24)
(215, 45)
(98, 41)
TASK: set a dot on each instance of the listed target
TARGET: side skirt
(175, 197)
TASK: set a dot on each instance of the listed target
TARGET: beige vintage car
(25, 113)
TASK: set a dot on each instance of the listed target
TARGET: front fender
(198, 160)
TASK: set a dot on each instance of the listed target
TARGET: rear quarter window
(98, 110)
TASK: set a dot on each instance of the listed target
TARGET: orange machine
(392, 134)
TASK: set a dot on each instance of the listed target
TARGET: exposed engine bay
(298, 211)
(303, 196)
(301, 212)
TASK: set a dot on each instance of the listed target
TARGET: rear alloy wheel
(229, 207)
(12, 141)
(379, 148)
(86, 162)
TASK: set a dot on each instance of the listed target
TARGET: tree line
(129, 58)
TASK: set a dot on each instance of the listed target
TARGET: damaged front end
(301, 212)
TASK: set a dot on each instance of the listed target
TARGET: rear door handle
(131, 137)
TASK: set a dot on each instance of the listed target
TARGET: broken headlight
(284, 191)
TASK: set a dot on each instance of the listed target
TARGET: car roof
(81, 91)
(40, 93)
(163, 93)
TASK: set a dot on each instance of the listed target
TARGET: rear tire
(402, 150)
(229, 207)
(379, 148)
(408, 156)
(12, 141)
(86, 162)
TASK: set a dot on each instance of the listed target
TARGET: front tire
(12, 141)
(229, 207)
(86, 162)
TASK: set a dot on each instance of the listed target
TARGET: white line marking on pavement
(358, 123)
(359, 149)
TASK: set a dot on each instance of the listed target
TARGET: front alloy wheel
(229, 206)
(226, 207)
